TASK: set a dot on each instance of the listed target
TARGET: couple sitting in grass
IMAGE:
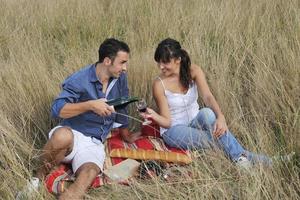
(87, 119)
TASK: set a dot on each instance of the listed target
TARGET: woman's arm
(209, 100)
(164, 117)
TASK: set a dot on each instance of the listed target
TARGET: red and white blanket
(61, 177)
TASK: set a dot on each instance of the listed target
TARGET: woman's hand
(220, 127)
(162, 121)
(150, 113)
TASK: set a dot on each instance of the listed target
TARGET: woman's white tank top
(183, 107)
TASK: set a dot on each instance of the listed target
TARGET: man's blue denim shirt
(82, 86)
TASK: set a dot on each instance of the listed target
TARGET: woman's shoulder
(195, 67)
(195, 70)
(158, 84)
(157, 81)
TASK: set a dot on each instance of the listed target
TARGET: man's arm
(97, 106)
(67, 104)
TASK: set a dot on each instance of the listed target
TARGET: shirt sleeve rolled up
(69, 94)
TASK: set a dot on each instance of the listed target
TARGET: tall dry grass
(250, 51)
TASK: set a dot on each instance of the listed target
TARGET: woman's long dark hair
(170, 48)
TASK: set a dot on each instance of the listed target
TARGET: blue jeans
(198, 135)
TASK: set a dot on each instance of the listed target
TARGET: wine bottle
(122, 102)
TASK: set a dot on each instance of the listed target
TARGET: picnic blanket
(149, 147)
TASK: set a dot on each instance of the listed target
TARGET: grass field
(249, 50)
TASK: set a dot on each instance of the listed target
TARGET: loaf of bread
(141, 154)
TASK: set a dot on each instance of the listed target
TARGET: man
(87, 119)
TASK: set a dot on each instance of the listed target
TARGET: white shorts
(85, 149)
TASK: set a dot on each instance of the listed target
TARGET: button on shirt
(82, 86)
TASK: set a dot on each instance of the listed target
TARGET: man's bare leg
(84, 177)
(58, 146)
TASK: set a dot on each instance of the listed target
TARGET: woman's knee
(62, 137)
(173, 137)
(207, 116)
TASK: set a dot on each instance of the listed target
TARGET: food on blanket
(151, 168)
(141, 154)
(121, 102)
(123, 170)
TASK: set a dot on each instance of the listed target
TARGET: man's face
(119, 64)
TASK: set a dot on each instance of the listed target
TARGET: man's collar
(93, 75)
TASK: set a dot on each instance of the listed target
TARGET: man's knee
(62, 137)
(89, 169)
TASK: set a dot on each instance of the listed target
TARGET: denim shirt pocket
(93, 118)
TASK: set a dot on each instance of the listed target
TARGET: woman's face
(171, 67)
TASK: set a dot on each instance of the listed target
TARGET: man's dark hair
(110, 47)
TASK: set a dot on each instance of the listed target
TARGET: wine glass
(142, 107)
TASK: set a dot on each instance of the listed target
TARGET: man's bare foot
(70, 194)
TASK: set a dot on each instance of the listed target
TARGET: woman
(182, 124)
